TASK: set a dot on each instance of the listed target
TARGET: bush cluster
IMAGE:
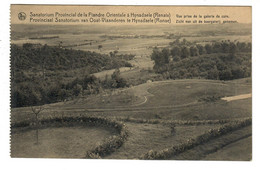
(213, 98)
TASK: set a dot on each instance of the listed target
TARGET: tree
(116, 74)
(241, 46)
(116, 80)
(36, 112)
(208, 48)
(249, 47)
(213, 73)
(100, 47)
(172, 126)
(116, 52)
(106, 82)
(225, 75)
(185, 52)
(232, 48)
(77, 89)
(194, 51)
(225, 47)
(217, 48)
(111, 54)
(89, 79)
(177, 41)
(156, 57)
(184, 42)
(201, 49)
(161, 59)
(175, 51)
(238, 72)
(165, 54)
(176, 58)
(27, 46)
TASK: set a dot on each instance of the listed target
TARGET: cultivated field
(126, 39)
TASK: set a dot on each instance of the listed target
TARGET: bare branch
(35, 111)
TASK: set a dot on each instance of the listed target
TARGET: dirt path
(145, 100)
(238, 97)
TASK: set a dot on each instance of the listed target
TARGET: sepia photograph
(131, 82)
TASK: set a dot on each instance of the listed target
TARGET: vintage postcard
(131, 82)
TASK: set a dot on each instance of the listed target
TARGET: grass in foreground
(144, 137)
(60, 142)
(232, 146)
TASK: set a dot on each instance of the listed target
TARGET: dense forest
(219, 60)
(37, 78)
(36, 57)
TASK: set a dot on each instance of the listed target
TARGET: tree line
(223, 60)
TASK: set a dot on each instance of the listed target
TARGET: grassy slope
(164, 93)
(181, 92)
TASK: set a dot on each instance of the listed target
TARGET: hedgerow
(190, 143)
(179, 122)
(109, 146)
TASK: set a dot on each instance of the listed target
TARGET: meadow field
(137, 40)
(152, 116)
